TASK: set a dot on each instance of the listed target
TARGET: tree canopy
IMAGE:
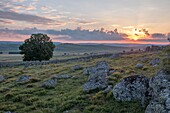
(37, 47)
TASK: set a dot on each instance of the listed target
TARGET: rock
(154, 61)
(62, 76)
(9, 112)
(76, 67)
(155, 107)
(131, 88)
(23, 79)
(114, 56)
(167, 104)
(112, 71)
(108, 89)
(66, 111)
(74, 77)
(97, 78)
(144, 59)
(51, 83)
(139, 66)
(160, 91)
(2, 78)
(86, 71)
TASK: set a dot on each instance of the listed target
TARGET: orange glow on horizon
(136, 35)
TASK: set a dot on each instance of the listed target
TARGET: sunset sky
(87, 21)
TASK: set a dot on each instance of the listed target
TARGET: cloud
(78, 34)
(158, 35)
(145, 31)
(27, 18)
(6, 22)
(18, 0)
(153, 40)
(86, 35)
(71, 35)
(128, 27)
(80, 21)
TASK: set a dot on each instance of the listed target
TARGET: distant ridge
(9, 46)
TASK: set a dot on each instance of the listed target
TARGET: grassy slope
(68, 94)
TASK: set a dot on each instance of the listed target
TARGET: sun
(136, 35)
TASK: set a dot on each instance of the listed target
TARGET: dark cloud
(153, 40)
(26, 17)
(158, 35)
(5, 22)
(68, 34)
(85, 35)
(146, 32)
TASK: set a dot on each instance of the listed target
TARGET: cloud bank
(79, 35)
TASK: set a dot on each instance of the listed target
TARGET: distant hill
(7, 46)
(68, 47)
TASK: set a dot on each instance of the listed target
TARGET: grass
(68, 94)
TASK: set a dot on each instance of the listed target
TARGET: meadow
(68, 96)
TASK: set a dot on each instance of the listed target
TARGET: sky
(87, 21)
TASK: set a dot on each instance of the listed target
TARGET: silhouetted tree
(37, 47)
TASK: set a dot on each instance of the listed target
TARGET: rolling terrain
(68, 95)
(66, 49)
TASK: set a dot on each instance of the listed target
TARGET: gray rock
(155, 107)
(51, 83)
(154, 61)
(86, 71)
(114, 56)
(167, 103)
(9, 112)
(23, 79)
(108, 89)
(160, 85)
(160, 91)
(112, 71)
(139, 66)
(97, 78)
(62, 76)
(144, 59)
(76, 67)
(2, 78)
(131, 88)
(74, 77)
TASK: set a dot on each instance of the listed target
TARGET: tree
(37, 47)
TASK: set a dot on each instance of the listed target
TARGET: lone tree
(37, 47)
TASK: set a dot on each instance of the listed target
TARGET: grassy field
(71, 51)
(18, 57)
(68, 94)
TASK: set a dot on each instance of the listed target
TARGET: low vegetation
(68, 94)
